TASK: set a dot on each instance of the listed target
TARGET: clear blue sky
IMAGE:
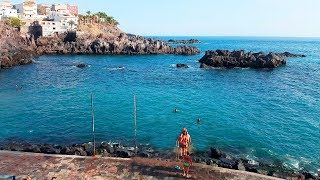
(287, 18)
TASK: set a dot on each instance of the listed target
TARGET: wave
(117, 68)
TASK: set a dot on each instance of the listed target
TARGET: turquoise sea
(271, 115)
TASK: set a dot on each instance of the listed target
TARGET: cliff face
(92, 39)
(14, 49)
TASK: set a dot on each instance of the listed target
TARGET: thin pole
(94, 140)
(135, 122)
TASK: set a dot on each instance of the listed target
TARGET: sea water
(267, 114)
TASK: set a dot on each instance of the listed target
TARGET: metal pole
(135, 122)
(94, 140)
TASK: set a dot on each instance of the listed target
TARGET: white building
(6, 10)
(50, 28)
(68, 21)
(27, 9)
(6, 13)
(5, 5)
(58, 7)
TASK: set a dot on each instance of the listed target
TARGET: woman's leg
(184, 151)
(187, 171)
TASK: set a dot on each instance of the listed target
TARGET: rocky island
(190, 41)
(243, 59)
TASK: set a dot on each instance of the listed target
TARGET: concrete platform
(43, 166)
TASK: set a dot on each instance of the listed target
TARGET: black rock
(251, 167)
(88, 148)
(190, 41)
(182, 66)
(49, 149)
(81, 152)
(231, 59)
(308, 175)
(217, 153)
(228, 163)
(145, 154)
(68, 150)
(288, 54)
(82, 65)
(123, 153)
(33, 148)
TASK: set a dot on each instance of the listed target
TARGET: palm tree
(89, 16)
(71, 23)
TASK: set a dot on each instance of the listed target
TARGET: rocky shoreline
(190, 41)
(243, 59)
(18, 50)
(214, 157)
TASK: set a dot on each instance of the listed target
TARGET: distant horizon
(263, 18)
(302, 37)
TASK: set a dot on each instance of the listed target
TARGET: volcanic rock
(243, 59)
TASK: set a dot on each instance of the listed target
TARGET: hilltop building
(27, 9)
(6, 10)
(73, 9)
(6, 5)
(42, 19)
(44, 9)
(60, 13)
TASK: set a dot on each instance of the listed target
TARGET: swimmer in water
(198, 120)
(175, 110)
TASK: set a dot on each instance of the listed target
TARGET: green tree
(15, 22)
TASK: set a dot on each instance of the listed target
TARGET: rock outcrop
(123, 44)
(14, 49)
(190, 41)
(243, 59)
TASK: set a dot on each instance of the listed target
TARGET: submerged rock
(243, 59)
(82, 65)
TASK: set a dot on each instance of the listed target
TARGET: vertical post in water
(135, 123)
(94, 140)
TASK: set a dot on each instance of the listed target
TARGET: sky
(284, 18)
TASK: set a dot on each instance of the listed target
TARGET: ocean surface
(269, 115)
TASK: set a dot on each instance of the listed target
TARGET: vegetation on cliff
(15, 22)
(99, 17)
